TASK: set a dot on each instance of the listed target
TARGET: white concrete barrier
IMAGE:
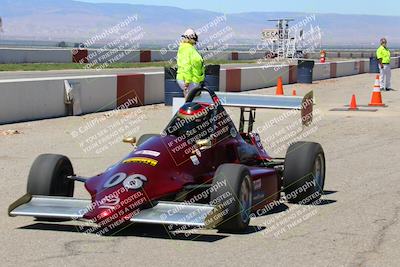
(154, 88)
(31, 99)
(321, 71)
(216, 55)
(98, 93)
(261, 77)
(366, 65)
(330, 55)
(26, 55)
(345, 54)
(246, 55)
(355, 54)
(346, 68)
(342, 54)
(157, 55)
(222, 80)
(394, 62)
(96, 56)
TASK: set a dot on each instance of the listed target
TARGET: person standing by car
(383, 55)
(191, 71)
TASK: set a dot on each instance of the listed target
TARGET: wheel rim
(245, 199)
(62, 185)
(319, 172)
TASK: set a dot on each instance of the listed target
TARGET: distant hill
(77, 21)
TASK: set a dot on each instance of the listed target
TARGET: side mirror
(129, 140)
(203, 144)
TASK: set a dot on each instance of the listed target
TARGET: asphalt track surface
(5, 75)
(356, 224)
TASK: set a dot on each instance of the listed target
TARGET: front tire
(235, 196)
(48, 176)
(304, 172)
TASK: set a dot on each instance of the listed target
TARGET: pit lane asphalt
(357, 223)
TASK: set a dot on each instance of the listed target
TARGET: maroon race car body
(174, 177)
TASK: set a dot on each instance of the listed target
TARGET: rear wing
(254, 101)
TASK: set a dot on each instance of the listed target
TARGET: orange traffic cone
(353, 103)
(376, 98)
(279, 87)
(294, 93)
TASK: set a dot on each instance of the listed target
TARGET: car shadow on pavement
(323, 202)
(329, 192)
(251, 229)
(271, 210)
(139, 230)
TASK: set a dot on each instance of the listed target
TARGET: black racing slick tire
(48, 176)
(144, 138)
(304, 172)
(233, 196)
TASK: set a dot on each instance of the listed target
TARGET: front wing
(174, 213)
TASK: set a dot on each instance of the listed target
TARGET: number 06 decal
(134, 181)
(115, 179)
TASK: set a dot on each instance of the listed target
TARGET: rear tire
(235, 197)
(48, 176)
(304, 172)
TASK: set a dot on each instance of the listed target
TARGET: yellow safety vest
(384, 54)
(190, 64)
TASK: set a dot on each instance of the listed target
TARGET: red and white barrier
(31, 99)
(98, 56)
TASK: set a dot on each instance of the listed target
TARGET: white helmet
(190, 34)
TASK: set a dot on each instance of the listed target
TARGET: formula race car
(201, 171)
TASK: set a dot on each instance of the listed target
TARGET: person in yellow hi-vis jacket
(191, 70)
(383, 55)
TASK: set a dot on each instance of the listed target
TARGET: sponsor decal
(148, 153)
(134, 181)
(257, 184)
(195, 160)
(151, 162)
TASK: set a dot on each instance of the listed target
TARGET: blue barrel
(171, 87)
(305, 71)
(373, 65)
(212, 77)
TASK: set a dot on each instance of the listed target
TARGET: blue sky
(388, 7)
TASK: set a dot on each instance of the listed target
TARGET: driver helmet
(193, 111)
